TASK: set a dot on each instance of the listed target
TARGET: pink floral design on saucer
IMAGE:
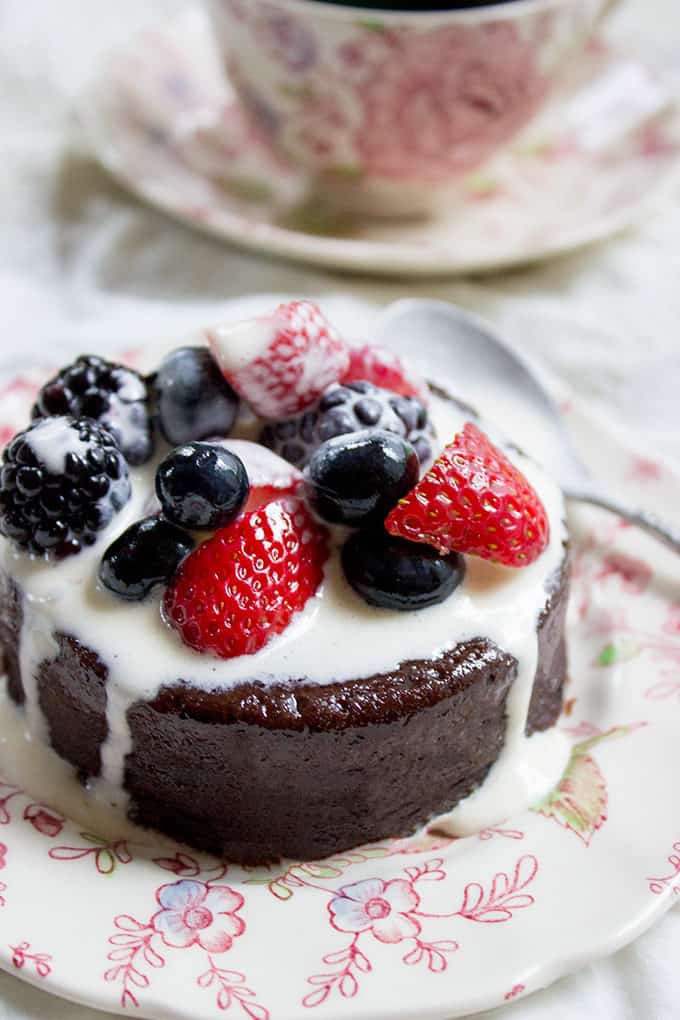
(601, 151)
(199, 915)
(383, 908)
(195, 913)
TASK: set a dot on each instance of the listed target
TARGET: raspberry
(474, 500)
(245, 584)
(350, 407)
(384, 368)
(110, 394)
(62, 482)
(281, 363)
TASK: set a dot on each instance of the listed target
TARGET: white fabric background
(82, 263)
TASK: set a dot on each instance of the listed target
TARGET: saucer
(163, 119)
(499, 915)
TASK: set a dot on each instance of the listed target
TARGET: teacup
(387, 110)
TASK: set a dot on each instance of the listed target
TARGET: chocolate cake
(359, 717)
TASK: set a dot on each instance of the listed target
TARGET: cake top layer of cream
(337, 636)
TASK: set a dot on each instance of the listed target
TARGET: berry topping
(357, 479)
(351, 407)
(281, 363)
(193, 399)
(201, 486)
(270, 476)
(474, 500)
(395, 574)
(62, 481)
(384, 368)
(113, 395)
(245, 584)
(147, 554)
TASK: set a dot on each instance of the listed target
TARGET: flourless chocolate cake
(289, 644)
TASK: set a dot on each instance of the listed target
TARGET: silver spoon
(476, 362)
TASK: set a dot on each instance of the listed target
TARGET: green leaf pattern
(579, 801)
(299, 875)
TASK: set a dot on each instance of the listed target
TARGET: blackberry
(61, 482)
(419, 430)
(113, 395)
(351, 407)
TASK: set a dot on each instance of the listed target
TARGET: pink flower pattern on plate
(41, 962)
(43, 819)
(633, 573)
(392, 912)
(658, 886)
(672, 624)
(195, 913)
(383, 907)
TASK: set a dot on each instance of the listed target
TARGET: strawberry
(280, 363)
(474, 500)
(384, 368)
(270, 476)
(244, 585)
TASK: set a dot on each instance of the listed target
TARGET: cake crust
(258, 771)
(298, 770)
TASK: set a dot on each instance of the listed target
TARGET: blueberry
(395, 574)
(148, 553)
(356, 479)
(193, 399)
(202, 486)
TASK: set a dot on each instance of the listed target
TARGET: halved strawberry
(244, 585)
(474, 500)
(280, 363)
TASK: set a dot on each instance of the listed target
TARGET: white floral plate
(420, 928)
(164, 120)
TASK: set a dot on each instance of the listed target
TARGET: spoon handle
(670, 536)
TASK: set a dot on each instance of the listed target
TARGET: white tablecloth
(81, 263)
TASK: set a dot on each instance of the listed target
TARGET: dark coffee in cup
(432, 5)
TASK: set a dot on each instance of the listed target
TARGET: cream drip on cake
(336, 637)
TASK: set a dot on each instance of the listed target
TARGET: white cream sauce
(235, 345)
(51, 442)
(336, 637)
